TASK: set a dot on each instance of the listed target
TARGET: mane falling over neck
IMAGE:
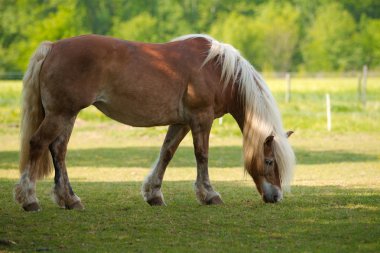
(262, 117)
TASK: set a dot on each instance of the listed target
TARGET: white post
(364, 85)
(220, 120)
(328, 111)
(360, 88)
(287, 92)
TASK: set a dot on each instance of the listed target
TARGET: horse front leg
(205, 193)
(151, 188)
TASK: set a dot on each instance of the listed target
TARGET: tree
(318, 35)
(34, 23)
(268, 39)
(329, 44)
(140, 28)
(369, 41)
(280, 27)
(241, 32)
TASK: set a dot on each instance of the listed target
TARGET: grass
(324, 219)
(334, 205)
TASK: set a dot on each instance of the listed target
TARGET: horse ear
(269, 140)
(289, 133)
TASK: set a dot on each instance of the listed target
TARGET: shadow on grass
(329, 156)
(220, 156)
(329, 218)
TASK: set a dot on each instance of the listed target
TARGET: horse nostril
(275, 198)
(269, 199)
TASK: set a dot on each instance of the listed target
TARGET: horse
(184, 84)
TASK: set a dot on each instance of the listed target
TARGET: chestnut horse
(185, 84)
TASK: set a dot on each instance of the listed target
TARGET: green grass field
(334, 205)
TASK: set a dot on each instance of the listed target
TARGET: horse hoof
(216, 200)
(156, 201)
(32, 207)
(77, 206)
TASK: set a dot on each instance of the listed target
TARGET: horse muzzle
(271, 193)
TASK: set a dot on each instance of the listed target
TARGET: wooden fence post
(364, 85)
(360, 87)
(328, 112)
(287, 92)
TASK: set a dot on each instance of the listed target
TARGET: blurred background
(305, 49)
(321, 60)
(302, 36)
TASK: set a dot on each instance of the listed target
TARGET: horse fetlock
(154, 197)
(24, 192)
(65, 200)
(207, 196)
(152, 193)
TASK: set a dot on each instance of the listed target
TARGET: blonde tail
(33, 113)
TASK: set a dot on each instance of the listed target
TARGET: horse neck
(236, 106)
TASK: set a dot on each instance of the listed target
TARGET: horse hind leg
(25, 190)
(151, 188)
(63, 194)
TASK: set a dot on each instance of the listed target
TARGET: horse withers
(185, 83)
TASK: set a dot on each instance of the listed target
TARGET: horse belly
(140, 111)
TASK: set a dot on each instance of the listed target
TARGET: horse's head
(267, 179)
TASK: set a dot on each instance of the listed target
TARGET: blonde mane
(262, 117)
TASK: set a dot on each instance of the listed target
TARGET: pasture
(334, 205)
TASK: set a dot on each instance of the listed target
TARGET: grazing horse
(185, 84)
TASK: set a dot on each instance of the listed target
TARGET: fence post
(360, 87)
(287, 92)
(328, 112)
(364, 85)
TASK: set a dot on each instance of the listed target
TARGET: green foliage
(321, 35)
(240, 31)
(139, 28)
(369, 39)
(268, 40)
(278, 24)
(38, 23)
(330, 45)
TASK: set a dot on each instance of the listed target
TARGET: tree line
(282, 35)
